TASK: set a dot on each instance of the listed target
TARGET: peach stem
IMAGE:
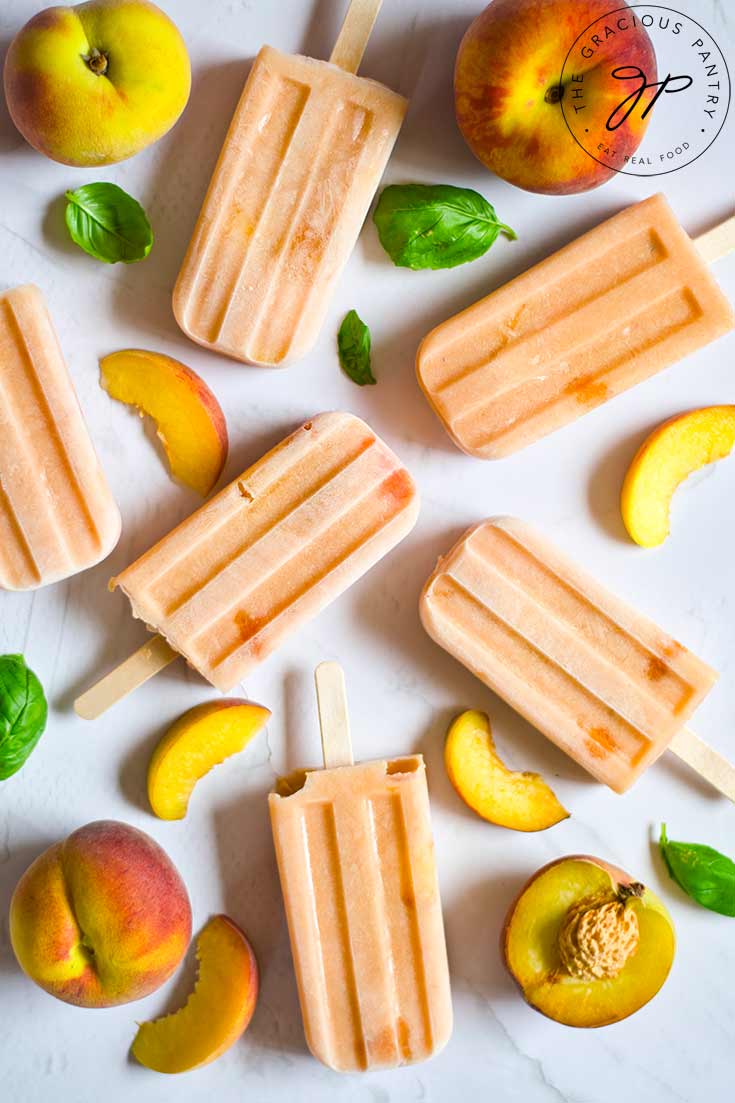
(97, 61)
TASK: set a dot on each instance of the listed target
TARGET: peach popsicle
(299, 168)
(356, 862)
(264, 555)
(57, 515)
(599, 679)
(619, 304)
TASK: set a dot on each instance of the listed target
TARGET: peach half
(519, 800)
(586, 944)
(199, 740)
(217, 1012)
(666, 458)
(189, 419)
(101, 918)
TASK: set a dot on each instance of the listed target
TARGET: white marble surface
(402, 688)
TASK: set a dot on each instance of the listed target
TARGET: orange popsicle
(619, 304)
(265, 554)
(299, 168)
(599, 679)
(356, 862)
(57, 515)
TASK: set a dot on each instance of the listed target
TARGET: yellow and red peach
(101, 918)
(96, 83)
(508, 90)
(586, 944)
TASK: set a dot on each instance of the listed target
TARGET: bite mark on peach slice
(669, 455)
(586, 944)
(199, 740)
(188, 417)
(519, 800)
(217, 1012)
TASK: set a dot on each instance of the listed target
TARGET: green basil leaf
(435, 225)
(353, 345)
(108, 223)
(702, 872)
(23, 712)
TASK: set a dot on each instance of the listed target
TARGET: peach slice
(199, 740)
(669, 455)
(189, 419)
(217, 1012)
(586, 944)
(519, 800)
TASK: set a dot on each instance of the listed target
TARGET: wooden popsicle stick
(717, 242)
(705, 761)
(333, 716)
(153, 656)
(354, 35)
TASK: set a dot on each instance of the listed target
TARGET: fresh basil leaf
(23, 712)
(702, 872)
(108, 223)
(353, 345)
(435, 225)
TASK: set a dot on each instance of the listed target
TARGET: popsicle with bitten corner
(262, 557)
(356, 862)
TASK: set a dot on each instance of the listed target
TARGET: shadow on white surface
(10, 137)
(431, 55)
(252, 898)
(247, 449)
(53, 227)
(606, 482)
(322, 30)
(134, 767)
(302, 749)
(688, 778)
(174, 196)
(474, 924)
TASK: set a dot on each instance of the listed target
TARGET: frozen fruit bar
(356, 861)
(614, 307)
(600, 680)
(273, 548)
(57, 515)
(302, 160)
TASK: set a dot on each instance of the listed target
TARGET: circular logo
(645, 90)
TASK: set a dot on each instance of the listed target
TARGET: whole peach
(96, 83)
(101, 918)
(508, 95)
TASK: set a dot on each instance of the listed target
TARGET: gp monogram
(684, 101)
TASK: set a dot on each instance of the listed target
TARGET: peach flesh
(628, 976)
